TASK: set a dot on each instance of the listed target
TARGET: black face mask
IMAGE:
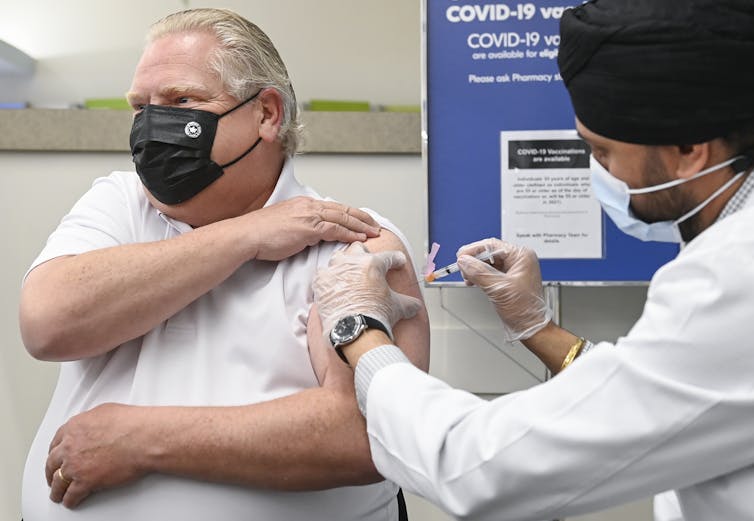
(171, 148)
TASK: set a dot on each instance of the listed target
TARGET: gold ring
(64, 479)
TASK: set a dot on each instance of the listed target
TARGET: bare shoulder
(411, 335)
(386, 240)
(405, 279)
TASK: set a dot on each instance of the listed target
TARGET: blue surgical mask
(615, 197)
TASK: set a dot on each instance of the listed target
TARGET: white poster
(547, 201)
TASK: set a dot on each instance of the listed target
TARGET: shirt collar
(739, 199)
(287, 186)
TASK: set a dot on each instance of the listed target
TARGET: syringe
(453, 268)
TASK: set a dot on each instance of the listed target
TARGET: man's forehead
(183, 52)
(196, 44)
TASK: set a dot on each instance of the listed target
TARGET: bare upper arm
(411, 335)
(38, 301)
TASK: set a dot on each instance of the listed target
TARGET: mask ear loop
(740, 165)
(236, 160)
(743, 162)
(252, 147)
(240, 104)
(734, 161)
(704, 203)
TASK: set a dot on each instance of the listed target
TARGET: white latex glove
(354, 282)
(513, 284)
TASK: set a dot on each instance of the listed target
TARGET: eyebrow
(173, 91)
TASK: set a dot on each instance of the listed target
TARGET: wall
(334, 49)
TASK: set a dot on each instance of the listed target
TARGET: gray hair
(246, 60)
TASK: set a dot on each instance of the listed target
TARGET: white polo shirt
(243, 342)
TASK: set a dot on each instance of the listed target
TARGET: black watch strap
(371, 323)
(339, 350)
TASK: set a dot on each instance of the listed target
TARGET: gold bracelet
(573, 352)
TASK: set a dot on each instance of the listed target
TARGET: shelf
(79, 130)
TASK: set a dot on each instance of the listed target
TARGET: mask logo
(193, 129)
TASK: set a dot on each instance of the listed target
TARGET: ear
(692, 159)
(271, 106)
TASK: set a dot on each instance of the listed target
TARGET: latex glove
(513, 283)
(354, 282)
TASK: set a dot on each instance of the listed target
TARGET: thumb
(408, 306)
(390, 259)
(355, 248)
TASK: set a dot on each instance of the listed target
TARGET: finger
(58, 487)
(356, 248)
(332, 232)
(485, 245)
(474, 269)
(390, 259)
(503, 256)
(351, 218)
(474, 248)
(342, 255)
(409, 306)
(362, 216)
(56, 439)
(75, 494)
(53, 463)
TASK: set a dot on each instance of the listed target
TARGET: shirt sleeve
(666, 507)
(623, 423)
(101, 218)
(369, 364)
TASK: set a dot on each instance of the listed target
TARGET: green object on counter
(107, 103)
(338, 106)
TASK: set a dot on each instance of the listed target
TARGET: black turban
(660, 72)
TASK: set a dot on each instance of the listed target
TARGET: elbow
(363, 472)
(40, 341)
(43, 339)
(43, 352)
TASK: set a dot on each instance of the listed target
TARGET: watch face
(345, 330)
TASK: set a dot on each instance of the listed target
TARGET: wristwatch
(349, 328)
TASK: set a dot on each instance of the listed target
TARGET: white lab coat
(670, 406)
(665, 507)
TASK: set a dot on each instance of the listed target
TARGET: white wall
(334, 49)
(365, 50)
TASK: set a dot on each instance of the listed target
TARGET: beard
(668, 204)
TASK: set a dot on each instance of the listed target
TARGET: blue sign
(492, 68)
